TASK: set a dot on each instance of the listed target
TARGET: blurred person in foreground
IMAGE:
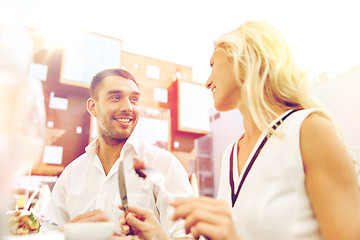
(87, 190)
(289, 175)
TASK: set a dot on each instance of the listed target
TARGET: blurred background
(167, 45)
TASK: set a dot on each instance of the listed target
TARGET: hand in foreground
(205, 216)
(97, 215)
(143, 223)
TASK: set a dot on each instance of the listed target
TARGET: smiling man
(87, 190)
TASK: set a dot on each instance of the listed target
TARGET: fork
(195, 187)
(155, 177)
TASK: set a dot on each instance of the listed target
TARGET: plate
(89, 230)
(47, 236)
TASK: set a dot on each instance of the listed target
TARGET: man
(87, 190)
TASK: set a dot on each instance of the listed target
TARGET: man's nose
(125, 105)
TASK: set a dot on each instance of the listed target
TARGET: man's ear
(91, 107)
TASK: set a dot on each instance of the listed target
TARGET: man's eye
(134, 99)
(115, 98)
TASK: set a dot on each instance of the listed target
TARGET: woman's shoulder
(305, 119)
(320, 140)
(316, 126)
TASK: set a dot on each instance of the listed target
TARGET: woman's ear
(91, 107)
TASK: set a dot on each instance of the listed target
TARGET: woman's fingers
(209, 230)
(207, 202)
(205, 216)
(184, 207)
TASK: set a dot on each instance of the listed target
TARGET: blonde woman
(289, 175)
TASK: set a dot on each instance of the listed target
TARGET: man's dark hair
(107, 73)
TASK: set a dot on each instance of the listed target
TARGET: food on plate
(115, 237)
(23, 222)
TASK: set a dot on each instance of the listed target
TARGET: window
(161, 95)
(86, 55)
(195, 102)
(153, 72)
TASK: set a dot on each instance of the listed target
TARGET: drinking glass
(22, 120)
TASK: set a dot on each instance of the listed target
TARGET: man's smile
(123, 120)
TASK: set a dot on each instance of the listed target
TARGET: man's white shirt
(83, 186)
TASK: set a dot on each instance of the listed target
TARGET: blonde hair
(266, 72)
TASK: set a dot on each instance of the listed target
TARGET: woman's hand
(205, 216)
(143, 223)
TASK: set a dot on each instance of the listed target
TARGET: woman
(289, 175)
(300, 182)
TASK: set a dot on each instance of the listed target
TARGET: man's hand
(143, 223)
(97, 215)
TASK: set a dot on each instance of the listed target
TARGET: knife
(122, 190)
(122, 187)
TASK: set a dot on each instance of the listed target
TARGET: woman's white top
(273, 202)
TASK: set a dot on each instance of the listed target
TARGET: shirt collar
(132, 142)
(91, 148)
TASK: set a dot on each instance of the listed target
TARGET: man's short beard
(113, 141)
